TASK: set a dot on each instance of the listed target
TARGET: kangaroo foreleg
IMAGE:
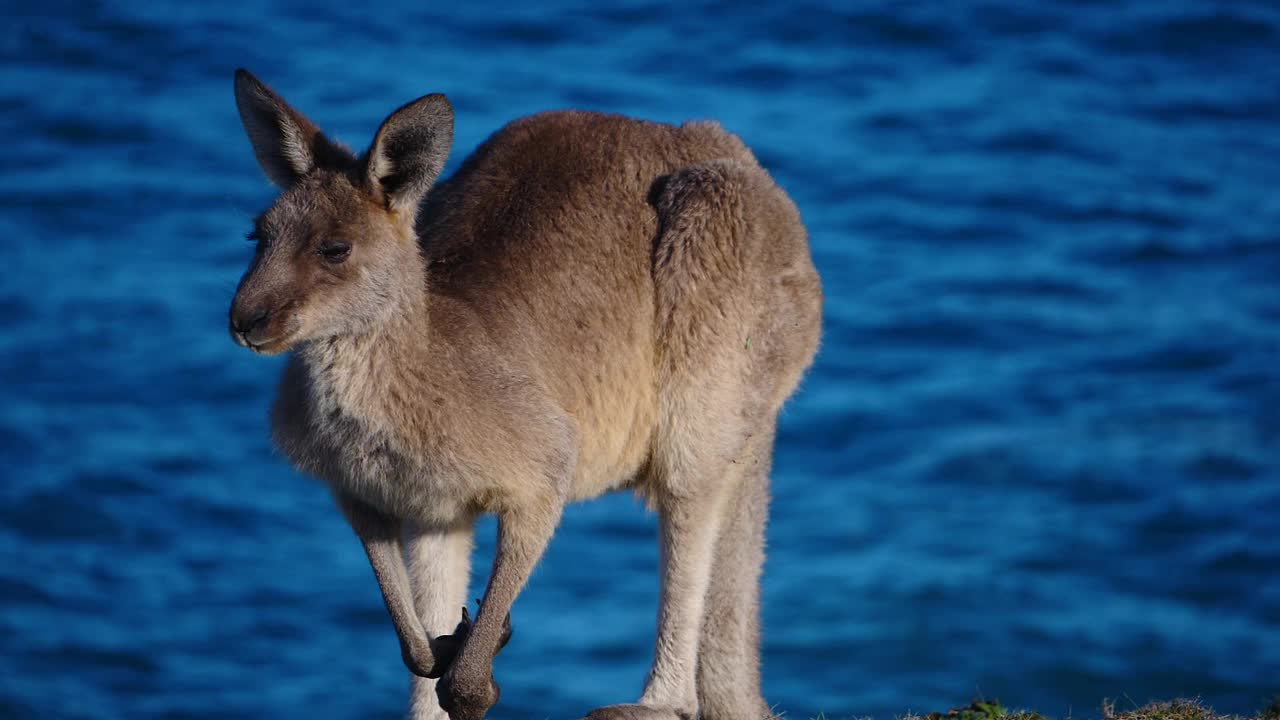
(380, 534)
(687, 526)
(467, 689)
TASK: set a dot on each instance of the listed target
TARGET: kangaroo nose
(245, 322)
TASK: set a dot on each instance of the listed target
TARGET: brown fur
(591, 303)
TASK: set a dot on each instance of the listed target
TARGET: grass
(1171, 710)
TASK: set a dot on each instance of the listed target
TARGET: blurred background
(1036, 459)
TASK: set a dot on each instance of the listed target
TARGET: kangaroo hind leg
(729, 649)
(742, 309)
(701, 425)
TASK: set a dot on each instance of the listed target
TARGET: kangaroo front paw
(445, 647)
(414, 659)
(637, 712)
(467, 696)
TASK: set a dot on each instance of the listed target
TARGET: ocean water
(1036, 459)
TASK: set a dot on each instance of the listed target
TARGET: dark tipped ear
(287, 145)
(409, 151)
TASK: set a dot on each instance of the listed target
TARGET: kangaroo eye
(335, 252)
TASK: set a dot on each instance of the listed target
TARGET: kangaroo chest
(365, 455)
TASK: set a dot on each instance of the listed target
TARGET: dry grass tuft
(1182, 709)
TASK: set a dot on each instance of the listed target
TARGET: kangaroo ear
(409, 151)
(287, 144)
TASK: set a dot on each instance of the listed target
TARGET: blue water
(1035, 461)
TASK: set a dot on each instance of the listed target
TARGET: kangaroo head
(337, 252)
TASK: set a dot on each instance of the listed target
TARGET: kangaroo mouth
(272, 346)
(261, 346)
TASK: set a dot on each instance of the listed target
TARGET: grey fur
(592, 303)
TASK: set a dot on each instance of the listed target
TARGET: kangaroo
(590, 303)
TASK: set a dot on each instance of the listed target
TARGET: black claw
(445, 648)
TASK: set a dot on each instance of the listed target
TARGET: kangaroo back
(550, 232)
